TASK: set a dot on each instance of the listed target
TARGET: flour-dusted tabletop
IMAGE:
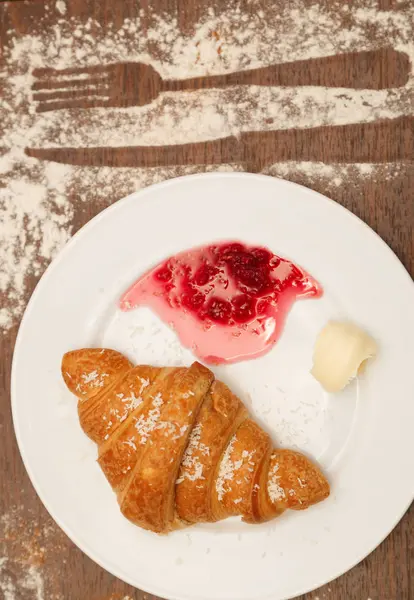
(318, 93)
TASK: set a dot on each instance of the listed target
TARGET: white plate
(362, 438)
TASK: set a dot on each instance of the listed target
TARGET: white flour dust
(61, 7)
(39, 200)
(27, 549)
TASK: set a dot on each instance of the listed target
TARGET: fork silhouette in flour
(137, 84)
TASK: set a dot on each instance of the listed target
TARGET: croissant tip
(302, 481)
(88, 370)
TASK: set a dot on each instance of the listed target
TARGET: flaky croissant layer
(178, 447)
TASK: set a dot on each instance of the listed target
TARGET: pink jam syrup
(226, 301)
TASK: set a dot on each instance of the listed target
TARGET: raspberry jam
(226, 301)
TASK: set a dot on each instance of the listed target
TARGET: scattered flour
(61, 7)
(6, 584)
(28, 547)
(34, 581)
(39, 201)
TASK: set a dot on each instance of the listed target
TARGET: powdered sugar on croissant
(178, 447)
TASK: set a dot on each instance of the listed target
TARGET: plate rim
(119, 205)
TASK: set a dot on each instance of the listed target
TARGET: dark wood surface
(28, 536)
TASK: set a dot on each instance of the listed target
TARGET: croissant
(179, 448)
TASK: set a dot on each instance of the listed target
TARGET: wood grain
(385, 203)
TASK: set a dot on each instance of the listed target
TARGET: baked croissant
(179, 448)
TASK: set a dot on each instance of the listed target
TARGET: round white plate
(362, 437)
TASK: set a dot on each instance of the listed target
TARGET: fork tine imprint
(50, 72)
(62, 84)
(82, 102)
(85, 92)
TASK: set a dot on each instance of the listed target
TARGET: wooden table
(36, 559)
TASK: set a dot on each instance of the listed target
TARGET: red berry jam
(226, 301)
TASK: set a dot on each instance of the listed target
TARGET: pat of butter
(340, 353)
